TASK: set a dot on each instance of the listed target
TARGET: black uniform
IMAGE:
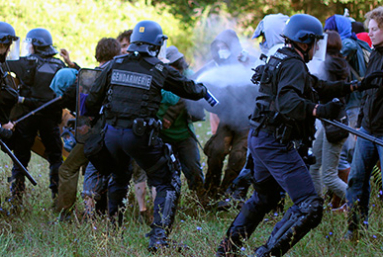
(36, 73)
(129, 90)
(8, 98)
(283, 114)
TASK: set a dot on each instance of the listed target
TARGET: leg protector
(167, 193)
(296, 223)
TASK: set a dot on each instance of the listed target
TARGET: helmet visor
(14, 50)
(320, 48)
(27, 47)
(162, 53)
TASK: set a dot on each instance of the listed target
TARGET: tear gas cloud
(231, 85)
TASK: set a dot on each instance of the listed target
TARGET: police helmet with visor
(41, 41)
(9, 41)
(305, 29)
(147, 37)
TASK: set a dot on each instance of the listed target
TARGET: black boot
(159, 241)
(17, 191)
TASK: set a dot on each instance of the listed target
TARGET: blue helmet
(303, 28)
(42, 40)
(147, 37)
(7, 33)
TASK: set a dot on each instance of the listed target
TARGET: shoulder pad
(121, 56)
(158, 64)
(279, 55)
(56, 60)
(31, 58)
(152, 60)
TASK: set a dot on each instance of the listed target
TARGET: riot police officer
(8, 95)
(129, 92)
(35, 72)
(283, 119)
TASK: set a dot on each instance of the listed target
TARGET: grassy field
(34, 232)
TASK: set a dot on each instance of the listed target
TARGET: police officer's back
(35, 72)
(129, 93)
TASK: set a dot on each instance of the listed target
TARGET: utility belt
(275, 125)
(140, 126)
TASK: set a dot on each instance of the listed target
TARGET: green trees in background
(77, 25)
(190, 24)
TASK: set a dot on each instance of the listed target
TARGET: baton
(354, 131)
(37, 109)
(21, 166)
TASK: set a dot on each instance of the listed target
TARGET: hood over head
(271, 28)
(230, 39)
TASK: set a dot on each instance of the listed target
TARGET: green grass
(33, 233)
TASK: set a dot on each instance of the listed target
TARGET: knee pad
(312, 208)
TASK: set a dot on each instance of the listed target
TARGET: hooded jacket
(229, 81)
(352, 49)
(231, 40)
(271, 27)
(372, 102)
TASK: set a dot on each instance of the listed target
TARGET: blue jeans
(358, 192)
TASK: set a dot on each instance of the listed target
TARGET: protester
(178, 130)
(231, 135)
(367, 153)
(105, 50)
(328, 144)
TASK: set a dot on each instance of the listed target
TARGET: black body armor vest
(135, 88)
(45, 70)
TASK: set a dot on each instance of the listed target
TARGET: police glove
(360, 86)
(5, 133)
(32, 102)
(329, 110)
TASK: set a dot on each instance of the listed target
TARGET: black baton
(37, 109)
(354, 131)
(15, 160)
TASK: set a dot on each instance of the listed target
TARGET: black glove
(330, 110)
(361, 85)
(30, 102)
(5, 133)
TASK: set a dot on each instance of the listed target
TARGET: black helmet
(7, 33)
(303, 28)
(42, 40)
(147, 37)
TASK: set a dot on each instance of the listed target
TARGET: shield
(85, 80)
